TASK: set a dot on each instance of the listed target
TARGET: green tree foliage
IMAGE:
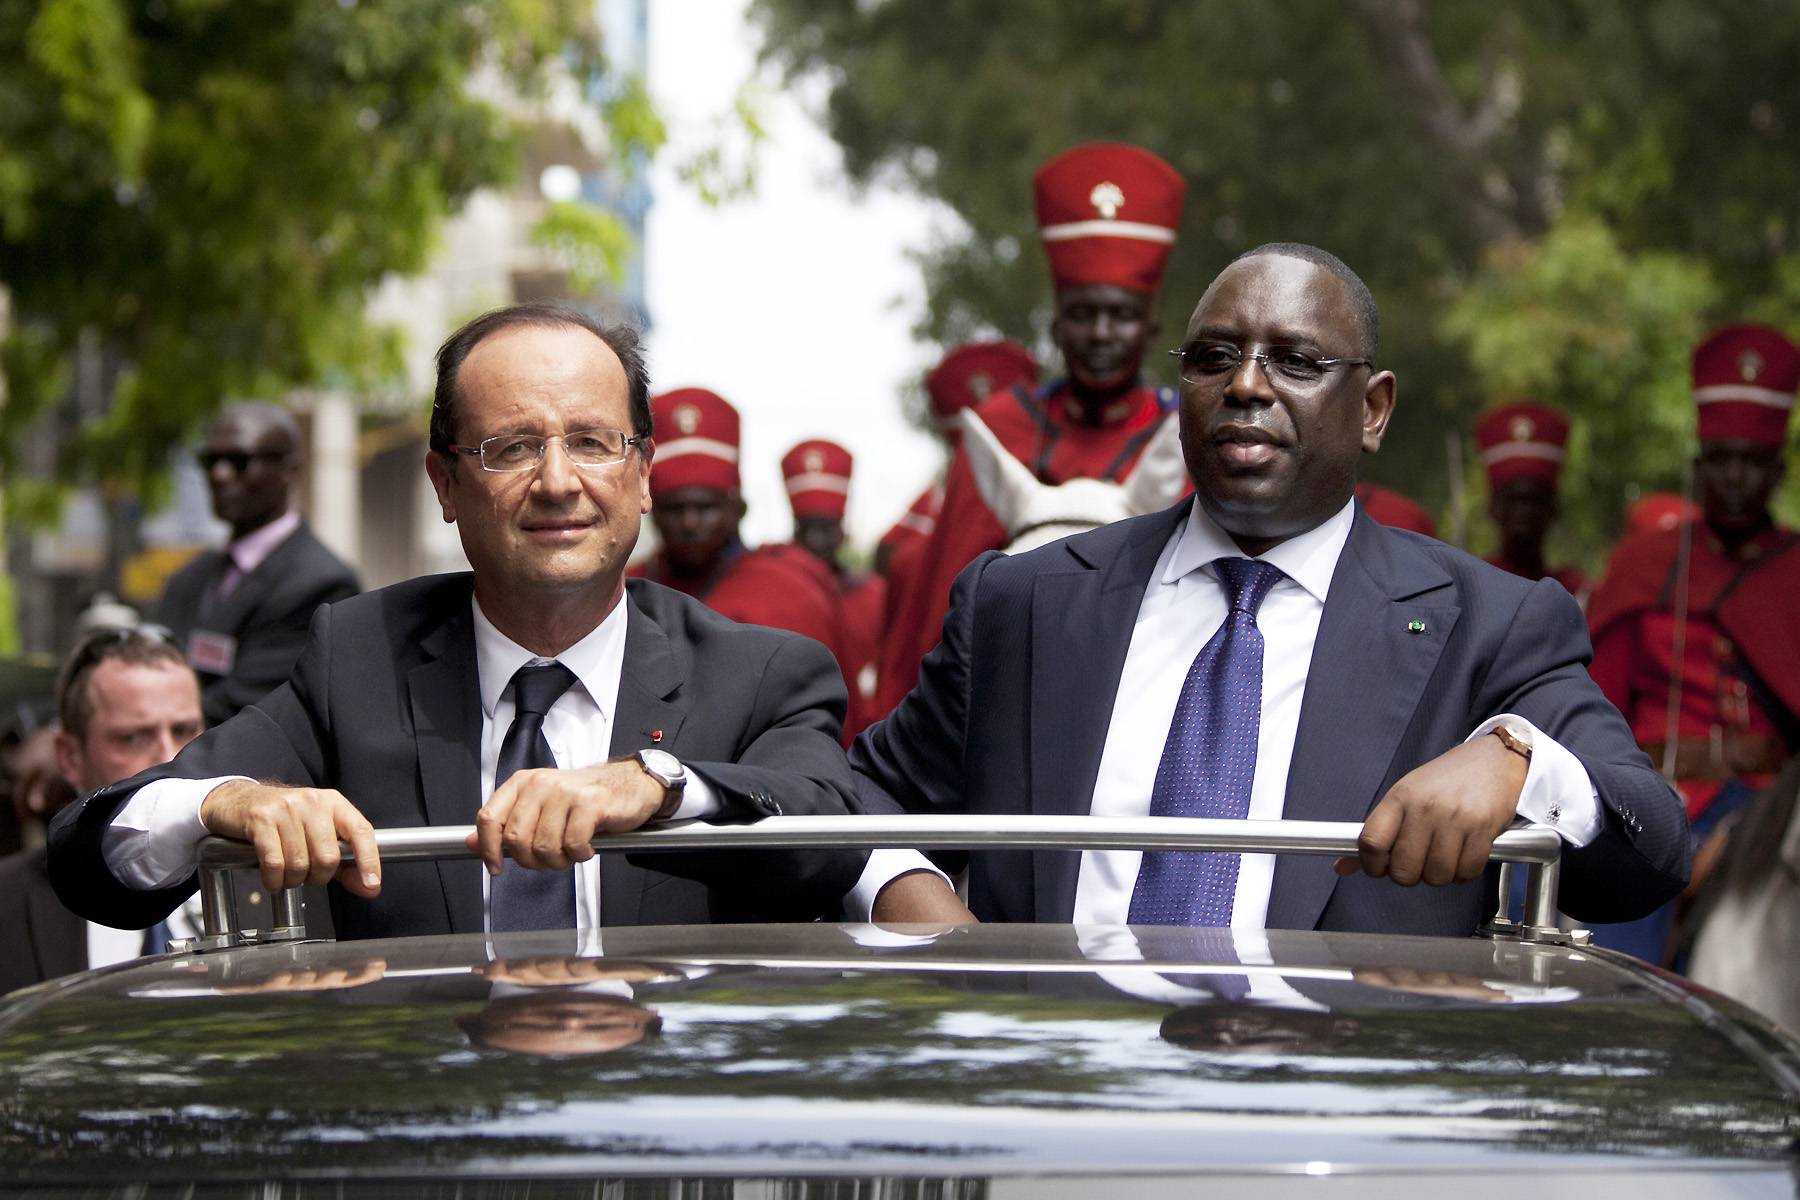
(1464, 158)
(197, 195)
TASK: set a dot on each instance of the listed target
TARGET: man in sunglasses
(537, 697)
(241, 613)
(1263, 651)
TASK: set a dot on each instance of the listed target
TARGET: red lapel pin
(656, 735)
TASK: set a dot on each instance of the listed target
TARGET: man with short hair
(1264, 650)
(1107, 214)
(126, 700)
(241, 613)
(537, 697)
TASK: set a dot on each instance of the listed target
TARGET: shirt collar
(1309, 558)
(248, 552)
(596, 659)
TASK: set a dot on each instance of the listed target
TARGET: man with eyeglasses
(1107, 214)
(1694, 632)
(241, 613)
(1265, 650)
(125, 701)
(538, 697)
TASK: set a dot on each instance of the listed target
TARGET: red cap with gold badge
(1745, 377)
(1107, 213)
(1522, 441)
(818, 478)
(972, 371)
(696, 441)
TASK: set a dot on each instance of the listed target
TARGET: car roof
(985, 1050)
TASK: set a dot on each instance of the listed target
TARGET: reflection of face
(250, 496)
(561, 1023)
(1734, 479)
(1103, 332)
(696, 524)
(556, 530)
(1272, 460)
(143, 713)
(822, 536)
(1523, 510)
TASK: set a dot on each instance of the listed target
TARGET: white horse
(1035, 513)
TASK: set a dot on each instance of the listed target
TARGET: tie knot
(1246, 582)
(536, 687)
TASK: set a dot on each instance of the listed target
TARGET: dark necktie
(519, 898)
(1209, 760)
(156, 938)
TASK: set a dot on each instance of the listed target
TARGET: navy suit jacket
(384, 707)
(267, 614)
(1012, 708)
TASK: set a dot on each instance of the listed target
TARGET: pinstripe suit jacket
(1012, 707)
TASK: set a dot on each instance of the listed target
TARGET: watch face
(662, 764)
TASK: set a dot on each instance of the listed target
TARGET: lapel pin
(656, 735)
(1415, 626)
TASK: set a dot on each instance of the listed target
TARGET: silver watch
(667, 770)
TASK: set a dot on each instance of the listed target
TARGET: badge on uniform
(211, 652)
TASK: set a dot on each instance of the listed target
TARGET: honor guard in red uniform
(696, 504)
(1705, 661)
(1521, 448)
(963, 378)
(817, 474)
(1107, 214)
(1387, 507)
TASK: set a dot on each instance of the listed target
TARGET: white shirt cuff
(1557, 791)
(883, 868)
(698, 800)
(153, 840)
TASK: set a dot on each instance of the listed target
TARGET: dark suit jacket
(268, 614)
(384, 707)
(1012, 708)
(39, 938)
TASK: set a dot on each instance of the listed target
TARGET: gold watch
(1512, 741)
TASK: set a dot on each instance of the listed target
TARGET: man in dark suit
(1403, 683)
(241, 613)
(536, 696)
(125, 700)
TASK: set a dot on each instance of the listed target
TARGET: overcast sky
(796, 305)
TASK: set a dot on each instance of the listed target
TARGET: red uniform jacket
(1039, 431)
(1739, 669)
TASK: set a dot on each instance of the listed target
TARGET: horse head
(1035, 513)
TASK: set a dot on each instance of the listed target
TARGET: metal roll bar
(1538, 847)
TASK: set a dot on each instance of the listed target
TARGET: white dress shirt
(1183, 607)
(151, 842)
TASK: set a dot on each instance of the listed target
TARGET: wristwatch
(667, 770)
(1512, 741)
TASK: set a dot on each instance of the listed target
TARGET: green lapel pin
(1415, 626)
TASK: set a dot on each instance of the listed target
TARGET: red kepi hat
(1745, 377)
(1107, 213)
(1522, 441)
(696, 435)
(970, 372)
(818, 478)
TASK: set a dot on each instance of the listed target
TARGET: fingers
(490, 824)
(363, 877)
(1377, 837)
(546, 819)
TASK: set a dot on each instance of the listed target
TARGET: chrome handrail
(1538, 847)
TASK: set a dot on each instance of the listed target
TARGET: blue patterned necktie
(1209, 759)
(519, 898)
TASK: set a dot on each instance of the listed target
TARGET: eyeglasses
(1203, 362)
(238, 460)
(590, 449)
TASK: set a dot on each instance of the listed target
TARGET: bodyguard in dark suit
(535, 696)
(241, 613)
(1123, 672)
